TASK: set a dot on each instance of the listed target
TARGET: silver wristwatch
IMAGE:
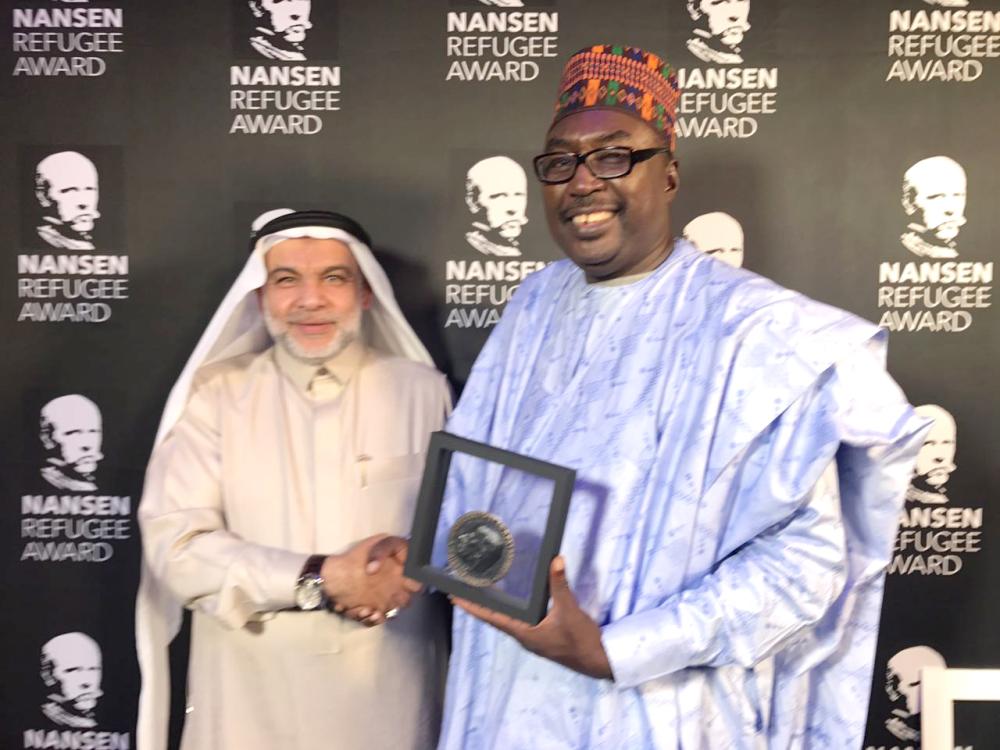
(309, 593)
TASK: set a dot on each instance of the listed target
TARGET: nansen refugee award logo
(717, 234)
(70, 264)
(488, 227)
(722, 95)
(941, 40)
(71, 669)
(284, 83)
(66, 515)
(507, 41)
(55, 40)
(936, 537)
(935, 290)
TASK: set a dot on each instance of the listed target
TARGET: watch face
(309, 593)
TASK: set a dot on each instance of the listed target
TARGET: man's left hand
(567, 635)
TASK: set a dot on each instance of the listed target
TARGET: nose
(310, 296)
(584, 182)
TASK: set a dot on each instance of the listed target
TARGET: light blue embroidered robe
(741, 460)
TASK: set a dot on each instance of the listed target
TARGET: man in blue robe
(741, 460)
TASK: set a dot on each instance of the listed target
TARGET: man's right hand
(367, 581)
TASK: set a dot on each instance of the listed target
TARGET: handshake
(366, 583)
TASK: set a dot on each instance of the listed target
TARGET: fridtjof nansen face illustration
(936, 459)
(66, 187)
(903, 686)
(281, 28)
(718, 234)
(934, 195)
(496, 194)
(71, 432)
(71, 669)
(720, 26)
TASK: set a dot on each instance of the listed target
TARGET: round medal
(480, 549)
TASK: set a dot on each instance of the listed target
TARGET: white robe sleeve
(185, 539)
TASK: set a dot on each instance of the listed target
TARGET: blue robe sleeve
(752, 604)
(775, 514)
(810, 508)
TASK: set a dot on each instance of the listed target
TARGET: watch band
(313, 566)
(309, 594)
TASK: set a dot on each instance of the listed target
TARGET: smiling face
(617, 227)
(313, 298)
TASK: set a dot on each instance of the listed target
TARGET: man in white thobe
(257, 494)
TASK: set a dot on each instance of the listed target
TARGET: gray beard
(344, 338)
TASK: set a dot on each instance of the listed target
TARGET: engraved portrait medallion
(480, 549)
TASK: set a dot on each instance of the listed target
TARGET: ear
(43, 197)
(673, 179)
(367, 297)
(908, 205)
(693, 10)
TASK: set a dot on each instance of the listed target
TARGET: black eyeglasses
(606, 163)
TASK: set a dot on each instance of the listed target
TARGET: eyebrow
(597, 139)
(296, 272)
(331, 269)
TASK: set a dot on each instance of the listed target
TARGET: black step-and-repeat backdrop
(846, 149)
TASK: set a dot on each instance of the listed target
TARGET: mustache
(307, 319)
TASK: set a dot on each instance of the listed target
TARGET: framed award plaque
(487, 524)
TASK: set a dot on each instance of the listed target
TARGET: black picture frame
(425, 522)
